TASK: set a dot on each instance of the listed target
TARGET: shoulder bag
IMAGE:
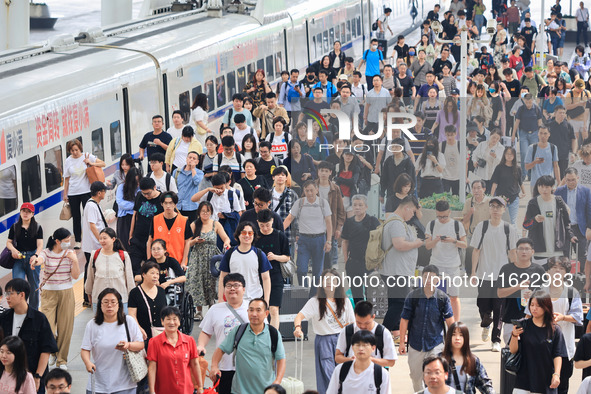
(514, 361)
(334, 314)
(94, 173)
(155, 330)
(56, 268)
(135, 361)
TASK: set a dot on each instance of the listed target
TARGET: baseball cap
(29, 206)
(455, 91)
(579, 83)
(343, 77)
(500, 200)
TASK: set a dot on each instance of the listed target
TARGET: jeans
(22, 270)
(555, 40)
(331, 258)
(581, 30)
(525, 140)
(310, 248)
(479, 22)
(513, 208)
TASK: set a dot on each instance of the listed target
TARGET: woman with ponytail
(57, 298)
(109, 267)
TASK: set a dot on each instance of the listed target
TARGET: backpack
(374, 254)
(374, 26)
(167, 181)
(553, 149)
(290, 92)
(230, 197)
(98, 251)
(379, 335)
(377, 376)
(381, 55)
(230, 113)
(236, 153)
(240, 333)
(441, 298)
(443, 146)
(456, 228)
(272, 136)
(275, 159)
(485, 228)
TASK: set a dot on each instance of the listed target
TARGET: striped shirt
(62, 278)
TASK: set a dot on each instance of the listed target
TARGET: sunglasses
(247, 233)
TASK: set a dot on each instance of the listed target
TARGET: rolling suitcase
(378, 296)
(507, 379)
(294, 299)
(294, 384)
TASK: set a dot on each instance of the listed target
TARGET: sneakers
(64, 367)
(485, 334)
(198, 316)
(496, 347)
(78, 245)
(52, 359)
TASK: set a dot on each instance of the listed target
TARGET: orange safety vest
(175, 237)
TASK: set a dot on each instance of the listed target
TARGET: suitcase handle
(299, 358)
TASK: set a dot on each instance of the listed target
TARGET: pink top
(62, 278)
(441, 119)
(8, 384)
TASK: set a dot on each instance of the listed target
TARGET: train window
(319, 50)
(185, 105)
(359, 26)
(241, 74)
(231, 80)
(97, 143)
(261, 65)
(331, 37)
(53, 167)
(325, 45)
(269, 61)
(210, 93)
(343, 33)
(353, 30)
(8, 190)
(195, 91)
(348, 31)
(278, 64)
(314, 46)
(116, 149)
(220, 90)
(31, 179)
(251, 70)
(337, 34)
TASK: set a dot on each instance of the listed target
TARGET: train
(104, 85)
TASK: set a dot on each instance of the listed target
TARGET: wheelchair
(177, 296)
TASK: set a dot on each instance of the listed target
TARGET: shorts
(578, 126)
(347, 204)
(451, 273)
(276, 287)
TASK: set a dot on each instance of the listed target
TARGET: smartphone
(429, 153)
(541, 158)
(443, 237)
(517, 323)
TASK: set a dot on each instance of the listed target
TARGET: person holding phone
(200, 283)
(542, 347)
(430, 169)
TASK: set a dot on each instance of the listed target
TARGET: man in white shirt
(383, 24)
(361, 375)
(93, 222)
(582, 16)
(164, 181)
(178, 125)
(435, 373)
(384, 354)
(219, 321)
(377, 99)
(241, 130)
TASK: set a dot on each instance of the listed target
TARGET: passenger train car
(103, 87)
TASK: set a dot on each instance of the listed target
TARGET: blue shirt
(188, 185)
(372, 60)
(550, 155)
(571, 201)
(427, 323)
(124, 207)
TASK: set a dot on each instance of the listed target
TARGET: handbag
(135, 361)
(6, 260)
(575, 112)
(155, 330)
(94, 174)
(513, 362)
(288, 269)
(66, 213)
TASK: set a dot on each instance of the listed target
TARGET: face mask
(66, 245)
(523, 94)
(492, 90)
(374, 47)
(411, 53)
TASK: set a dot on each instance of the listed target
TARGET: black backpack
(553, 150)
(485, 227)
(230, 197)
(240, 333)
(456, 228)
(258, 252)
(379, 335)
(441, 298)
(236, 153)
(230, 113)
(377, 375)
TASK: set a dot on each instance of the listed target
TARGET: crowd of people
(277, 198)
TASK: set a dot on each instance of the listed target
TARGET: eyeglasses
(496, 206)
(230, 286)
(436, 373)
(11, 293)
(109, 303)
(523, 249)
(442, 217)
(260, 204)
(247, 233)
(60, 387)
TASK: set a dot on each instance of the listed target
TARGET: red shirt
(173, 374)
